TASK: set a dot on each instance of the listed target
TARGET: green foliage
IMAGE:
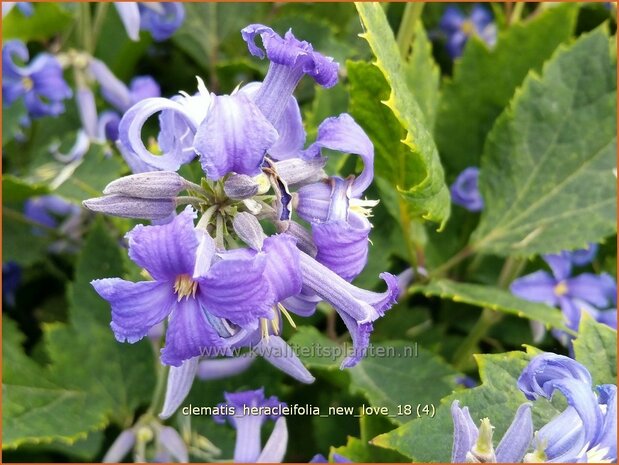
(485, 79)
(47, 20)
(547, 170)
(420, 174)
(596, 348)
(493, 298)
(91, 378)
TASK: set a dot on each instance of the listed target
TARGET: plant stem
(516, 13)
(85, 27)
(406, 31)
(98, 23)
(453, 261)
(159, 394)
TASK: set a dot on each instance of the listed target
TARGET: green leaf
(429, 439)
(48, 19)
(494, 298)
(315, 349)
(485, 80)
(596, 348)
(547, 170)
(91, 378)
(416, 171)
(398, 374)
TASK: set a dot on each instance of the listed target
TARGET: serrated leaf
(91, 378)
(484, 81)
(398, 374)
(547, 170)
(315, 349)
(596, 348)
(429, 439)
(494, 298)
(420, 177)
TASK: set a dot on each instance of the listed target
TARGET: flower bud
(131, 207)
(240, 186)
(248, 228)
(298, 171)
(148, 185)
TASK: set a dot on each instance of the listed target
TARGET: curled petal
(275, 447)
(279, 354)
(234, 137)
(76, 152)
(130, 133)
(537, 378)
(608, 437)
(562, 439)
(465, 190)
(136, 307)
(130, 16)
(165, 251)
(180, 380)
(162, 24)
(360, 334)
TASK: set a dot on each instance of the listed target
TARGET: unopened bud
(131, 207)
(149, 185)
(248, 228)
(240, 186)
(298, 171)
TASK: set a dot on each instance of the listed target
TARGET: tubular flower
(465, 190)
(248, 425)
(573, 294)
(161, 19)
(199, 295)
(458, 28)
(40, 83)
(587, 429)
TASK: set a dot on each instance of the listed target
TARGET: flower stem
(98, 22)
(406, 32)
(85, 27)
(156, 402)
(453, 261)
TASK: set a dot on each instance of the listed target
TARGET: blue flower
(168, 444)
(465, 190)
(585, 292)
(473, 444)
(11, 279)
(337, 458)
(161, 19)
(25, 8)
(587, 429)
(248, 427)
(458, 28)
(40, 83)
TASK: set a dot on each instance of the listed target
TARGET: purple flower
(200, 290)
(168, 444)
(337, 458)
(40, 83)
(584, 256)
(25, 8)
(587, 429)
(54, 213)
(465, 190)
(161, 19)
(473, 444)
(458, 28)
(11, 279)
(586, 291)
(251, 411)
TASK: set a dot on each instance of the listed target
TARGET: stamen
(264, 328)
(27, 83)
(362, 206)
(467, 27)
(184, 286)
(561, 289)
(275, 325)
(287, 315)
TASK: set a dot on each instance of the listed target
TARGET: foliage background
(69, 388)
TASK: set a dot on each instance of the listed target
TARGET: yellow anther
(27, 83)
(467, 27)
(184, 286)
(561, 289)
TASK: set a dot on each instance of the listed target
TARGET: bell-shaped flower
(584, 429)
(473, 444)
(40, 83)
(465, 190)
(161, 19)
(248, 425)
(200, 291)
(168, 444)
(458, 28)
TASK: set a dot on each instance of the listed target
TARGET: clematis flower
(587, 429)
(465, 190)
(458, 28)
(582, 257)
(168, 444)
(40, 83)
(51, 212)
(585, 292)
(473, 444)
(161, 19)
(200, 290)
(11, 279)
(248, 427)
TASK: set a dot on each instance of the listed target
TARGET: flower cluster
(585, 431)
(222, 283)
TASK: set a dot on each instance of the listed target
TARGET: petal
(189, 333)
(162, 25)
(165, 251)
(130, 17)
(234, 137)
(120, 447)
(582, 257)
(143, 87)
(279, 354)
(343, 134)
(608, 436)
(114, 91)
(590, 288)
(172, 442)
(88, 111)
(204, 253)
(302, 304)
(465, 190)
(360, 334)
(343, 246)
(452, 19)
(180, 380)
(560, 265)
(224, 368)
(136, 307)
(282, 266)
(562, 437)
(247, 445)
(249, 230)
(517, 438)
(235, 289)
(275, 447)
(465, 433)
(298, 171)
(536, 287)
(313, 201)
